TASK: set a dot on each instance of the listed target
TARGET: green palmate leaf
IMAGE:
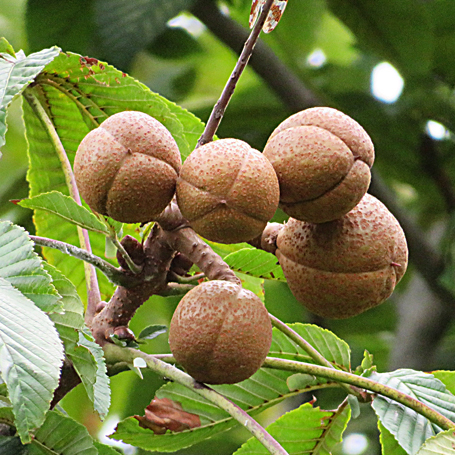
(99, 392)
(409, 428)
(327, 343)
(305, 430)
(22, 267)
(255, 263)
(31, 357)
(16, 73)
(67, 208)
(61, 435)
(443, 443)
(80, 348)
(78, 95)
(265, 388)
(389, 444)
(128, 27)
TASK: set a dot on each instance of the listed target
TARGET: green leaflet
(80, 347)
(256, 263)
(32, 355)
(67, 208)
(447, 378)
(409, 428)
(389, 444)
(327, 343)
(304, 430)
(16, 73)
(443, 443)
(22, 267)
(63, 436)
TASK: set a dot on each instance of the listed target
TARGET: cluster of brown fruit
(342, 251)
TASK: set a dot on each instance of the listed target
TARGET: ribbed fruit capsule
(341, 268)
(322, 158)
(127, 167)
(220, 333)
(227, 191)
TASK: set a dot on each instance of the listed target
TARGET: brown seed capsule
(341, 268)
(322, 158)
(220, 333)
(127, 167)
(227, 191)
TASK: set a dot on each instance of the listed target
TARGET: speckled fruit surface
(227, 191)
(322, 158)
(127, 167)
(342, 268)
(220, 333)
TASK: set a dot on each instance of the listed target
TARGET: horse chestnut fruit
(344, 267)
(220, 333)
(227, 191)
(127, 167)
(322, 158)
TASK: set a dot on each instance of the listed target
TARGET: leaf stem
(310, 350)
(116, 275)
(131, 264)
(116, 354)
(363, 383)
(93, 291)
(220, 107)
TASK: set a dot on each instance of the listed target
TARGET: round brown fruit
(220, 333)
(127, 167)
(322, 158)
(342, 268)
(227, 191)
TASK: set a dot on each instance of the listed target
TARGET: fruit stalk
(180, 237)
(125, 301)
(221, 105)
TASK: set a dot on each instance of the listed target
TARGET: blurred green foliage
(332, 46)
